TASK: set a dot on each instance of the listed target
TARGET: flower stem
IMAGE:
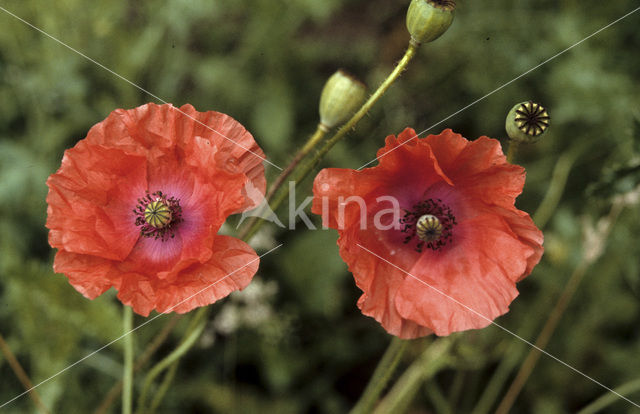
(428, 364)
(22, 375)
(511, 152)
(609, 398)
(381, 376)
(556, 187)
(194, 330)
(438, 400)
(166, 382)
(317, 136)
(556, 314)
(304, 168)
(127, 378)
(509, 360)
(144, 357)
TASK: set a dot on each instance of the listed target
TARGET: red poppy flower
(453, 230)
(137, 205)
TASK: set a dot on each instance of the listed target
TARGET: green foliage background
(264, 62)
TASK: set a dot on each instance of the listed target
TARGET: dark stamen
(431, 223)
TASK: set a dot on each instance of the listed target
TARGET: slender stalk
(511, 152)
(609, 398)
(554, 318)
(22, 375)
(512, 355)
(193, 333)
(306, 167)
(164, 387)
(427, 365)
(317, 136)
(543, 339)
(556, 187)
(127, 378)
(438, 400)
(381, 376)
(140, 362)
(456, 389)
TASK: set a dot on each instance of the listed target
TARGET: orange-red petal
(231, 267)
(462, 285)
(91, 199)
(89, 275)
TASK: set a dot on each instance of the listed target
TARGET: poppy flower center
(430, 223)
(157, 215)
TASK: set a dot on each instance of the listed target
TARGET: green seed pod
(341, 96)
(427, 20)
(527, 122)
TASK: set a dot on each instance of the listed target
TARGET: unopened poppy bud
(527, 122)
(341, 96)
(427, 20)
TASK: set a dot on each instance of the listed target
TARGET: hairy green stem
(164, 387)
(299, 173)
(511, 152)
(153, 346)
(508, 362)
(194, 330)
(22, 375)
(556, 188)
(127, 378)
(381, 376)
(427, 365)
(455, 389)
(609, 398)
(438, 400)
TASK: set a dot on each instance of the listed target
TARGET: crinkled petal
(411, 161)
(89, 275)
(235, 149)
(337, 191)
(209, 141)
(379, 282)
(231, 267)
(147, 130)
(523, 227)
(468, 284)
(478, 168)
(91, 199)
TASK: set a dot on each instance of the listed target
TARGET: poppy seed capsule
(157, 214)
(341, 96)
(427, 20)
(527, 122)
(428, 228)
